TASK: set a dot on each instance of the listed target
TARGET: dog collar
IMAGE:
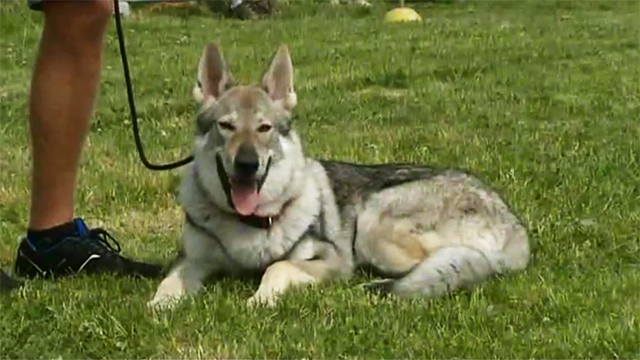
(260, 222)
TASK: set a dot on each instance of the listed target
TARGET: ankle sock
(51, 235)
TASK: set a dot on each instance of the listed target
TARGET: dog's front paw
(166, 302)
(379, 287)
(169, 292)
(260, 298)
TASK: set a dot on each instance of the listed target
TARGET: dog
(255, 204)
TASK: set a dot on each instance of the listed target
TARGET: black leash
(132, 105)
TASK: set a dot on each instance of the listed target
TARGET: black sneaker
(88, 251)
(7, 283)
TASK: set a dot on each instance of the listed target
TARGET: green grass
(539, 98)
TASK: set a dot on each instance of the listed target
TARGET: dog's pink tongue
(245, 199)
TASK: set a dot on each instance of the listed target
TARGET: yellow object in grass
(402, 14)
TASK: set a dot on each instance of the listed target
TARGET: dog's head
(243, 135)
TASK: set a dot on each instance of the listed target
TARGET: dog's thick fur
(428, 231)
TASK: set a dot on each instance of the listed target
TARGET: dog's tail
(460, 267)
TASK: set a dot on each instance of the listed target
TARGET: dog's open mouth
(242, 195)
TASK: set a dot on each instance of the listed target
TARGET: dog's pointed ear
(278, 80)
(214, 76)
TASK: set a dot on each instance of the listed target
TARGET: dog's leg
(446, 270)
(282, 275)
(185, 278)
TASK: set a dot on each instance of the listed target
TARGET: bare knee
(77, 25)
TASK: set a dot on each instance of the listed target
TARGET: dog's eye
(227, 126)
(264, 128)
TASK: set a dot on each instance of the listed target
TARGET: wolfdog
(255, 204)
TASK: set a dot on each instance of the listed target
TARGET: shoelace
(105, 239)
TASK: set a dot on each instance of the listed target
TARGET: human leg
(63, 91)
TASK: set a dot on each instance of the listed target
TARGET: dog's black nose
(246, 163)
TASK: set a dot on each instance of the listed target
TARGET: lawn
(541, 99)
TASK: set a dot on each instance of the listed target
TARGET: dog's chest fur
(242, 247)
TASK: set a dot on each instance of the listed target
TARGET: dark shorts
(35, 4)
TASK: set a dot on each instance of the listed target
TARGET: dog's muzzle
(246, 163)
(243, 188)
